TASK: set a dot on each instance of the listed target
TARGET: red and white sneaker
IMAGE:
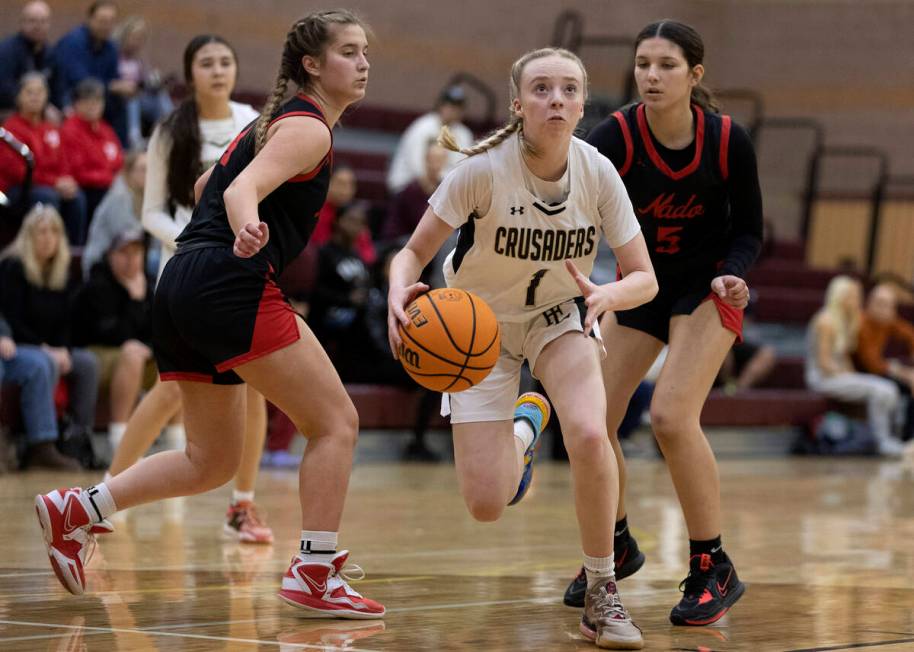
(244, 524)
(321, 589)
(66, 529)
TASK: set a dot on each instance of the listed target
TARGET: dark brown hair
(693, 48)
(183, 128)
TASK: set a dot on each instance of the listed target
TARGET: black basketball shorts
(213, 312)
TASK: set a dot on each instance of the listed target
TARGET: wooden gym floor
(826, 548)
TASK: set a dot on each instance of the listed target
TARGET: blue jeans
(29, 369)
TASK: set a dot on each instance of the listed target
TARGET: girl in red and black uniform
(219, 321)
(691, 175)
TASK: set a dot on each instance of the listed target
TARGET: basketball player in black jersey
(220, 321)
(691, 175)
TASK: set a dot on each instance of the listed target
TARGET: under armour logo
(517, 210)
(555, 315)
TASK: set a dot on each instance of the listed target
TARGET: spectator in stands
(340, 292)
(408, 205)
(152, 101)
(36, 291)
(52, 182)
(380, 368)
(341, 192)
(408, 162)
(880, 326)
(113, 320)
(118, 212)
(30, 369)
(185, 145)
(747, 364)
(831, 340)
(25, 51)
(89, 51)
(93, 151)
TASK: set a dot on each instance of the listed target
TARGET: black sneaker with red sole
(628, 561)
(708, 592)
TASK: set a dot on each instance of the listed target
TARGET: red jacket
(324, 229)
(44, 140)
(92, 150)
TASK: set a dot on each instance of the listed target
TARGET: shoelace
(606, 601)
(251, 515)
(694, 583)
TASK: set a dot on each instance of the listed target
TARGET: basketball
(452, 340)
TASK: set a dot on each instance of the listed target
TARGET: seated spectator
(152, 102)
(341, 290)
(408, 162)
(30, 369)
(89, 51)
(881, 326)
(52, 182)
(28, 50)
(92, 149)
(113, 321)
(119, 211)
(36, 292)
(747, 364)
(408, 205)
(341, 192)
(831, 340)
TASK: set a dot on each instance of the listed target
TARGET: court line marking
(853, 646)
(27, 574)
(229, 639)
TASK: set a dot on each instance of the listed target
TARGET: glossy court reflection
(823, 545)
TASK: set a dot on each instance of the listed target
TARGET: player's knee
(666, 422)
(213, 468)
(483, 508)
(585, 441)
(133, 353)
(342, 424)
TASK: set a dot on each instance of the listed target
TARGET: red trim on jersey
(655, 156)
(307, 98)
(307, 176)
(724, 145)
(730, 318)
(627, 137)
(275, 327)
(185, 375)
(227, 154)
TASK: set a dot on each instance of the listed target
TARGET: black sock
(711, 547)
(621, 534)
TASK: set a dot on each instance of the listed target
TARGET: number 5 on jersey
(667, 240)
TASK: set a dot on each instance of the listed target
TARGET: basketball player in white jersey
(531, 202)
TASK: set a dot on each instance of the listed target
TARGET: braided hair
(306, 37)
(515, 123)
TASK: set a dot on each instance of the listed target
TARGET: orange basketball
(452, 341)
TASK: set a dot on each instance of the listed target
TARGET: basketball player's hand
(732, 290)
(597, 298)
(397, 299)
(252, 237)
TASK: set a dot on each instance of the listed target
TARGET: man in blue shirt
(88, 51)
(25, 51)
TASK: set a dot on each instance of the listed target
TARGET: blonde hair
(514, 124)
(307, 37)
(127, 28)
(846, 326)
(53, 274)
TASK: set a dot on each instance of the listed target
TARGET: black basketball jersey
(684, 213)
(290, 210)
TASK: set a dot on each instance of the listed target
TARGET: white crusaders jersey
(512, 246)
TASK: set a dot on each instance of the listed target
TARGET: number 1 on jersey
(534, 283)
